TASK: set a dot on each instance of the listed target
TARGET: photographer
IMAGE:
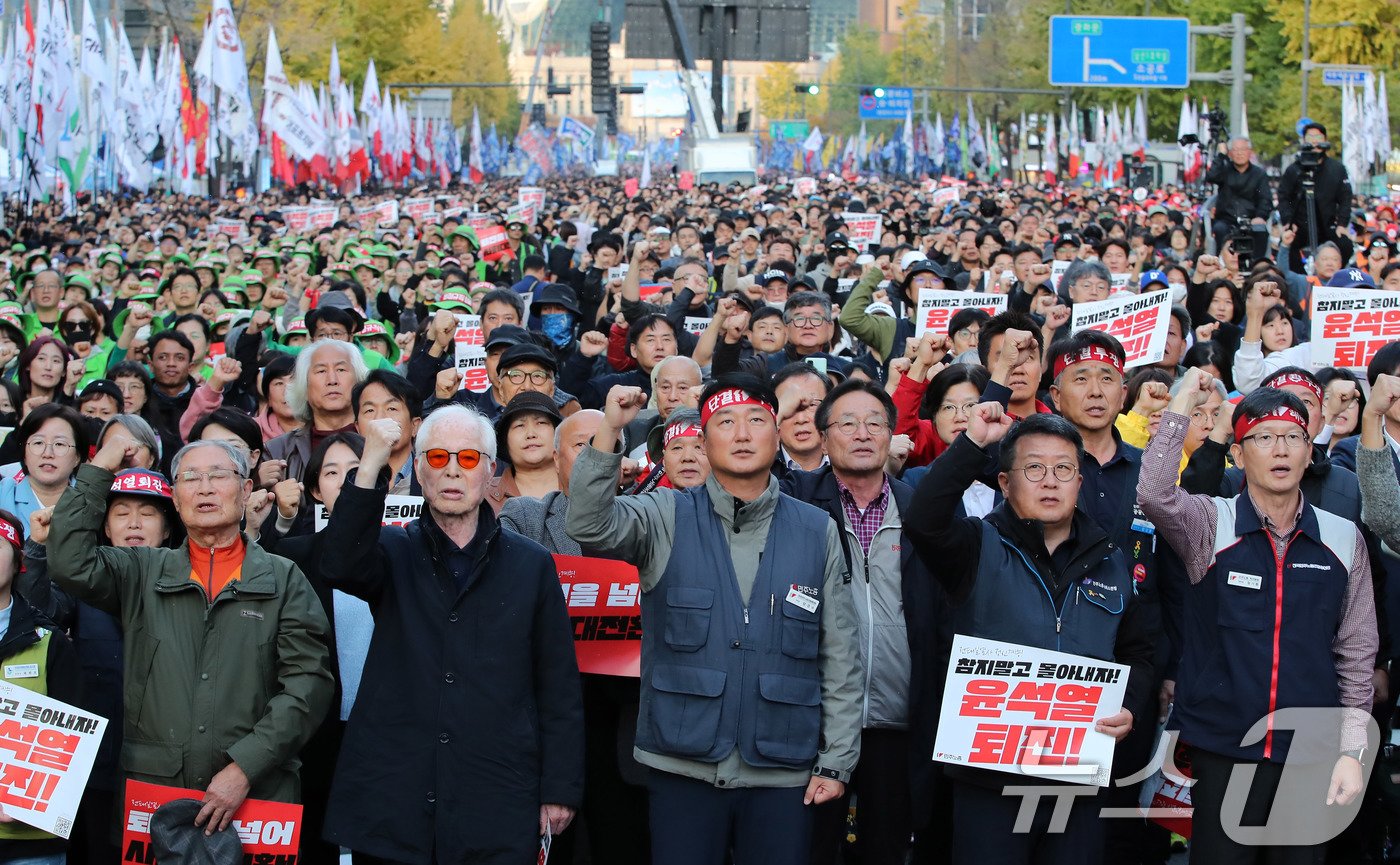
(1242, 194)
(1332, 198)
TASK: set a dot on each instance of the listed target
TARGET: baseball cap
(527, 352)
(908, 258)
(507, 335)
(1152, 276)
(1351, 277)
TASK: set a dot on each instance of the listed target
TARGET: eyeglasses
(949, 409)
(518, 376)
(1265, 441)
(847, 426)
(217, 476)
(1036, 472)
(38, 446)
(808, 320)
(467, 458)
(968, 333)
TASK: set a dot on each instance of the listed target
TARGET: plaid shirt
(865, 523)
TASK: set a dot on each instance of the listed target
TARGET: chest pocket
(688, 613)
(1315, 596)
(1100, 601)
(1243, 608)
(801, 632)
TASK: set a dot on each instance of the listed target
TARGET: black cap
(554, 293)
(103, 386)
(507, 334)
(837, 238)
(527, 352)
(523, 403)
(1068, 240)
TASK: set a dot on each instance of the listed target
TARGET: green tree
(469, 48)
(860, 60)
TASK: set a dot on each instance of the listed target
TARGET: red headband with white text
(1243, 423)
(1087, 354)
(1293, 379)
(730, 396)
(679, 431)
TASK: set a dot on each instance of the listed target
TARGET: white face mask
(1178, 291)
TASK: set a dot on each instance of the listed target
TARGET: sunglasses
(438, 457)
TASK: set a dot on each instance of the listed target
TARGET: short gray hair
(240, 460)
(296, 388)
(1081, 269)
(139, 430)
(485, 432)
(806, 298)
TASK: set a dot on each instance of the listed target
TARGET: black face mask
(74, 333)
(9, 418)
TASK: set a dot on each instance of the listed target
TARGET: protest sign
(696, 324)
(804, 186)
(604, 601)
(398, 511)
(1120, 282)
(1028, 711)
(321, 217)
(479, 222)
(1349, 325)
(1165, 797)
(937, 306)
(385, 214)
(521, 213)
(417, 208)
(649, 290)
(618, 272)
(1139, 321)
(234, 229)
(945, 196)
(863, 229)
(47, 749)
(269, 831)
(492, 239)
(531, 196)
(471, 353)
(297, 218)
(1057, 270)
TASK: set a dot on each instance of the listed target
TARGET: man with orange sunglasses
(467, 744)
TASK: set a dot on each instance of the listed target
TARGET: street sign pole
(1235, 76)
(1116, 51)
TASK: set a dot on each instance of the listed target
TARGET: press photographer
(1313, 195)
(1243, 199)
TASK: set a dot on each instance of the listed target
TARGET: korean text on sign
(863, 229)
(47, 749)
(604, 601)
(1139, 321)
(398, 511)
(937, 307)
(471, 354)
(1349, 325)
(270, 831)
(1028, 711)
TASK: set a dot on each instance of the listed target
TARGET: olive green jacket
(245, 679)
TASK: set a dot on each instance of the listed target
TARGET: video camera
(1310, 156)
(1241, 239)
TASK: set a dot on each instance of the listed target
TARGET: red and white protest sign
(417, 208)
(270, 831)
(938, 306)
(522, 212)
(385, 214)
(492, 239)
(1349, 325)
(605, 606)
(863, 229)
(479, 222)
(1057, 270)
(470, 342)
(47, 748)
(321, 217)
(297, 218)
(1028, 711)
(696, 324)
(1139, 321)
(1121, 282)
(944, 196)
(234, 229)
(398, 511)
(1165, 797)
(531, 196)
(804, 186)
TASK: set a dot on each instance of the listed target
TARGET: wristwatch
(824, 772)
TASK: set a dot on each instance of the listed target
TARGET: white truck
(727, 158)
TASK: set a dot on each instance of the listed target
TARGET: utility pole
(1307, 55)
(1235, 76)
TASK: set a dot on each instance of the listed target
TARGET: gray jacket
(541, 520)
(1380, 504)
(877, 594)
(640, 530)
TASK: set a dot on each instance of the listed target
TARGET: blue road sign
(1338, 77)
(894, 105)
(1106, 51)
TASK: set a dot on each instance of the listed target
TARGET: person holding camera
(1331, 197)
(1242, 196)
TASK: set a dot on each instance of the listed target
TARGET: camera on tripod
(1310, 156)
(1241, 239)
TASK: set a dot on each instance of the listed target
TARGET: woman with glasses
(55, 442)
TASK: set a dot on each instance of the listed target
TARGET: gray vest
(1010, 602)
(718, 674)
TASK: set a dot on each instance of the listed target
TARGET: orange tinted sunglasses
(438, 457)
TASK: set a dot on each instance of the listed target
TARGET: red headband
(1088, 353)
(1293, 379)
(12, 534)
(1243, 423)
(730, 396)
(679, 431)
(141, 483)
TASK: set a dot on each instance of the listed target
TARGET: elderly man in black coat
(465, 744)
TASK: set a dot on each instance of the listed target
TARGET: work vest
(16, 669)
(1258, 632)
(720, 673)
(1011, 602)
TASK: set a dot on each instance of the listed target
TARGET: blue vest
(1258, 632)
(718, 673)
(1011, 602)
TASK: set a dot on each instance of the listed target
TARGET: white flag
(229, 73)
(93, 65)
(284, 113)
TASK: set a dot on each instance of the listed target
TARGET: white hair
(296, 388)
(485, 432)
(659, 370)
(240, 459)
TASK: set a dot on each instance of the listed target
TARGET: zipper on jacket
(1278, 628)
(869, 640)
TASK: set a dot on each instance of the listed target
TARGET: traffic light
(600, 65)
(877, 92)
(537, 113)
(612, 124)
(807, 89)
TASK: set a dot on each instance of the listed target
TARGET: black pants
(984, 820)
(1209, 843)
(93, 841)
(694, 823)
(883, 818)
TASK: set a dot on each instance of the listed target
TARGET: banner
(385, 213)
(47, 749)
(863, 229)
(270, 831)
(322, 217)
(1139, 321)
(297, 218)
(804, 187)
(398, 511)
(471, 354)
(1057, 270)
(938, 306)
(604, 601)
(531, 196)
(234, 229)
(945, 196)
(417, 208)
(1120, 282)
(696, 324)
(1349, 325)
(1028, 711)
(492, 239)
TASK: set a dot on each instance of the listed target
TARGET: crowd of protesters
(206, 410)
